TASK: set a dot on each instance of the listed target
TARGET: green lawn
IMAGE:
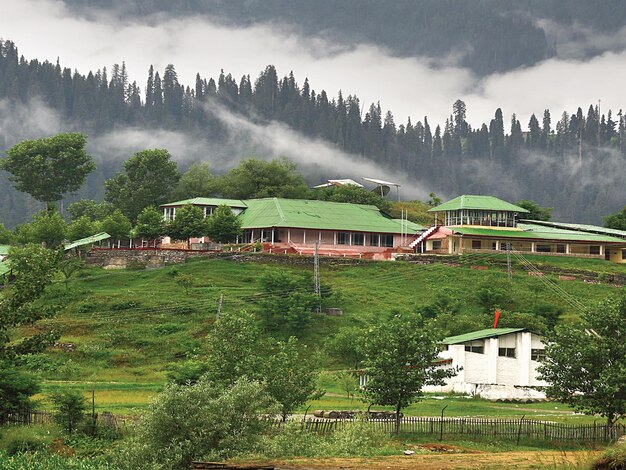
(120, 329)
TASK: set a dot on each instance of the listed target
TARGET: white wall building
(497, 363)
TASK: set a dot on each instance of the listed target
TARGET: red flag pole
(496, 319)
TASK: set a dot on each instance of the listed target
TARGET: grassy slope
(126, 326)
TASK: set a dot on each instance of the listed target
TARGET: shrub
(26, 444)
(70, 407)
(136, 266)
(201, 421)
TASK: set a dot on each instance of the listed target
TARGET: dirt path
(499, 460)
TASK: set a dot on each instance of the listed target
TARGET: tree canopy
(189, 222)
(257, 178)
(148, 180)
(535, 211)
(50, 167)
(399, 361)
(223, 226)
(586, 361)
(150, 224)
(616, 221)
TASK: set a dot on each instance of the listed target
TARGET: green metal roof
(578, 227)
(562, 235)
(486, 203)
(318, 215)
(207, 201)
(4, 249)
(480, 334)
(87, 241)
(411, 226)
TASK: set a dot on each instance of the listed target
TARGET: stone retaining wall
(123, 258)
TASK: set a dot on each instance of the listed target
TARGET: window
(623, 254)
(374, 238)
(538, 355)
(436, 244)
(170, 213)
(386, 240)
(543, 249)
(506, 352)
(505, 245)
(476, 245)
(494, 245)
(342, 238)
(594, 250)
(358, 239)
(474, 349)
(560, 248)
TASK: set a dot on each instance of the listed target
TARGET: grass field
(121, 329)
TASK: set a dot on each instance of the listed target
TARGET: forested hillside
(572, 161)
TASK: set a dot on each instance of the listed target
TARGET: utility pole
(316, 276)
(219, 307)
(508, 261)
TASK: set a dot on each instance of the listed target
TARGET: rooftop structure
(477, 210)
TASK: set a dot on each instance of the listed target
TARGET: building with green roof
(494, 363)
(482, 224)
(299, 224)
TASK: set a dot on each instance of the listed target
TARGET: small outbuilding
(495, 363)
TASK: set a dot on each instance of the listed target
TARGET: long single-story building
(474, 224)
(495, 363)
(298, 225)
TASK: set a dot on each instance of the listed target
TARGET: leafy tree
(535, 212)
(291, 375)
(204, 421)
(492, 296)
(117, 225)
(148, 179)
(94, 211)
(257, 178)
(223, 226)
(150, 224)
(197, 181)
(234, 344)
(50, 167)
(6, 236)
(354, 195)
(70, 266)
(189, 222)
(186, 281)
(348, 383)
(616, 221)
(586, 361)
(346, 345)
(47, 228)
(70, 407)
(399, 355)
(81, 227)
(34, 268)
(288, 302)
(16, 388)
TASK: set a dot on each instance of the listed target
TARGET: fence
(471, 427)
(102, 420)
(479, 427)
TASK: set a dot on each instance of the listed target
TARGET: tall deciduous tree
(50, 167)
(399, 362)
(223, 226)
(535, 211)
(189, 222)
(148, 180)
(34, 268)
(48, 228)
(256, 178)
(150, 224)
(586, 361)
(617, 220)
(117, 225)
(196, 182)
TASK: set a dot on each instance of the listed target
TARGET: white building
(496, 363)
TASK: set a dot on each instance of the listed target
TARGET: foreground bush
(47, 461)
(203, 421)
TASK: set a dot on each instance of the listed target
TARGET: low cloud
(414, 87)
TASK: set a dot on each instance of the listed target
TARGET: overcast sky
(45, 29)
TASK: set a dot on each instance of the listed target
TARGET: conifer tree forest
(560, 159)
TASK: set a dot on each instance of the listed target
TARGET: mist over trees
(553, 159)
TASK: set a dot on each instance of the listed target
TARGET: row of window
(538, 355)
(371, 239)
(478, 245)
